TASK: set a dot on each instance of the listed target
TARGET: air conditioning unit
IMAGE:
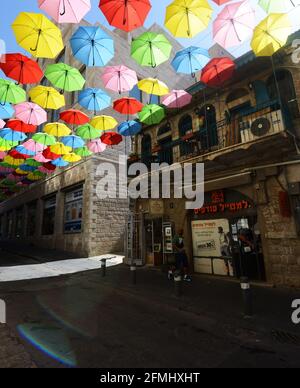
(267, 124)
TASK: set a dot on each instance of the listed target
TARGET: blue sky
(11, 8)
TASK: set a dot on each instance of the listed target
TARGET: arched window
(146, 147)
(185, 125)
(164, 129)
(208, 127)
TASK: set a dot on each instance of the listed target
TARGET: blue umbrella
(190, 60)
(10, 135)
(25, 167)
(92, 46)
(60, 162)
(73, 141)
(129, 128)
(24, 151)
(6, 111)
(94, 99)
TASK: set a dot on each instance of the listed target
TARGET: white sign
(2, 311)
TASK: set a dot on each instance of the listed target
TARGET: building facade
(247, 135)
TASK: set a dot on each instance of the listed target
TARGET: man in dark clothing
(181, 258)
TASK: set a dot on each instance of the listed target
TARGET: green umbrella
(10, 92)
(152, 114)
(83, 152)
(276, 6)
(87, 132)
(8, 143)
(151, 49)
(43, 138)
(33, 163)
(65, 77)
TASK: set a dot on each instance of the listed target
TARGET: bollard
(247, 297)
(103, 267)
(133, 273)
(178, 284)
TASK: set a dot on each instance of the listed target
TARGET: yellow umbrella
(57, 129)
(21, 172)
(35, 177)
(60, 149)
(47, 97)
(186, 18)
(153, 86)
(12, 161)
(103, 123)
(72, 158)
(271, 34)
(38, 35)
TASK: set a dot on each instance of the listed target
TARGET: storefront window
(31, 219)
(73, 211)
(49, 216)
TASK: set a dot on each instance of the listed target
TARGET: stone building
(63, 211)
(247, 135)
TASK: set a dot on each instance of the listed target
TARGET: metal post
(103, 267)
(247, 297)
(178, 283)
(133, 273)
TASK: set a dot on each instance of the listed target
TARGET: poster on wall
(207, 244)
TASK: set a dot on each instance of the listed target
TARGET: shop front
(226, 236)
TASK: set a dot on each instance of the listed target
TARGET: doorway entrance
(154, 241)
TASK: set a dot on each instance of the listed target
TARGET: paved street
(85, 320)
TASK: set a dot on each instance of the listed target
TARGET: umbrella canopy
(46, 170)
(35, 176)
(217, 71)
(87, 132)
(92, 46)
(6, 111)
(152, 114)
(94, 99)
(271, 34)
(31, 145)
(275, 6)
(190, 60)
(14, 162)
(111, 138)
(38, 35)
(65, 77)
(73, 141)
(234, 24)
(65, 11)
(129, 128)
(10, 135)
(84, 152)
(2, 123)
(119, 78)
(104, 123)
(49, 155)
(126, 15)
(33, 163)
(151, 49)
(177, 99)
(21, 68)
(57, 129)
(186, 18)
(30, 113)
(16, 154)
(60, 162)
(128, 106)
(41, 158)
(47, 97)
(24, 152)
(74, 117)
(18, 125)
(60, 149)
(6, 145)
(44, 138)
(153, 86)
(10, 92)
(72, 158)
(96, 146)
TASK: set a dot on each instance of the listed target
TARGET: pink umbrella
(45, 170)
(41, 158)
(177, 99)
(96, 146)
(119, 78)
(66, 11)
(14, 178)
(32, 146)
(6, 170)
(2, 154)
(234, 24)
(2, 124)
(30, 113)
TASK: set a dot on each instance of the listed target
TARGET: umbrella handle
(64, 9)
(37, 42)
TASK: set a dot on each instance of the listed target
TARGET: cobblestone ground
(12, 352)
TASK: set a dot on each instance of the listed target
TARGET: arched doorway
(185, 125)
(146, 147)
(164, 135)
(208, 127)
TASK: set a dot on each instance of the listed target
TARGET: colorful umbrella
(94, 99)
(177, 99)
(13, 162)
(6, 111)
(275, 6)
(151, 49)
(35, 176)
(66, 11)
(129, 128)
(65, 77)
(271, 34)
(41, 158)
(96, 146)
(31, 145)
(119, 78)
(43, 138)
(33, 163)
(152, 114)
(190, 60)
(10, 92)
(153, 86)
(57, 129)
(103, 123)
(10, 135)
(128, 106)
(72, 158)
(24, 152)
(92, 46)
(111, 138)
(73, 141)
(6, 145)
(38, 35)
(30, 113)
(84, 152)
(74, 117)
(217, 71)
(20, 126)
(126, 15)
(87, 132)
(60, 162)
(234, 24)
(49, 155)
(186, 18)
(60, 149)
(46, 170)
(17, 155)
(47, 97)
(20, 68)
